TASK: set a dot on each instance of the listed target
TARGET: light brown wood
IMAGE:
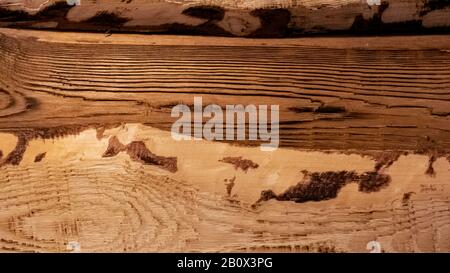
(118, 204)
(86, 155)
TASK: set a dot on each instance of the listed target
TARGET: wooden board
(250, 18)
(87, 155)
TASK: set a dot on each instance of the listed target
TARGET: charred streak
(430, 148)
(57, 10)
(274, 22)
(205, 12)
(114, 147)
(432, 5)
(430, 169)
(107, 19)
(15, 156)
(373, 182)
(320, 186)
(24, 136)
(407, 197)
(229, 184)
(15, 15)
(326, 109)
(138, 151)
(39, 157)
(384, 160)
(374, 24)
(240, 163)
(213, 15)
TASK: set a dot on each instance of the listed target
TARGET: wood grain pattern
(269, 18)
(86, 155)
(330, 98)
(117, 204)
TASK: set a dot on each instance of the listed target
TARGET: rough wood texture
(271, 18)
(114, 203)
(86, 156)
(338, 94)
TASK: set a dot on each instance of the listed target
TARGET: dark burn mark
(229, 184)
(56, 12)
(213, 14)
(26, 135)
(58, 9)
(16, 155)
(14, 15)
(320, 186)
(138, 151)
(40, 157)
(407, 197)
(109, 21)
(384, 160)
(430, 169)
(240, 163)
(373, 182)
(1, 155)
(375, 25)
(432, 5)
(114, 147)
(274, 22)
(206, 12)
(431, 148)
(105, 18)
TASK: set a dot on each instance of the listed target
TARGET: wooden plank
(86, 155)
(251, 18)
(336, 94)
